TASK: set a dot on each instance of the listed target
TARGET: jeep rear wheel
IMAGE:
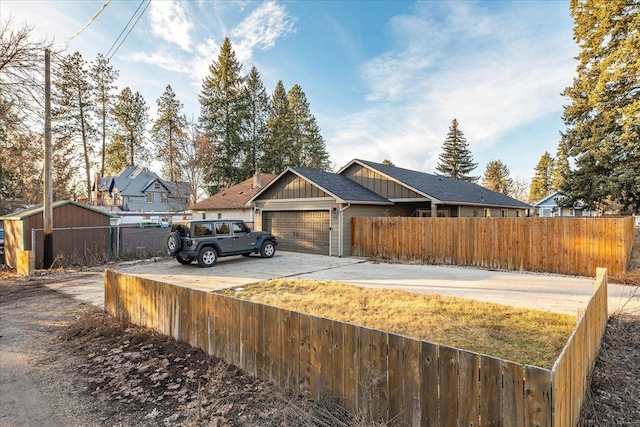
(174, 243)
(207, 257)
(267, 250)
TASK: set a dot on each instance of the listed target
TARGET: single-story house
(232, 202)
(549, 207)
(79, 231)
(311, 211)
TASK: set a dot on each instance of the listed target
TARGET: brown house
(79, 232)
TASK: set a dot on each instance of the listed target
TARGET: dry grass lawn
(525, 336)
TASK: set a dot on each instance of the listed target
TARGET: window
(157, 185)
(164, 197)
(504, 213)
(487, 213)
(239, 227)
(202, 229)
(149, 197)
(222, 228)
(219, 215)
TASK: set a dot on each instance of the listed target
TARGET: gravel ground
(65, 363)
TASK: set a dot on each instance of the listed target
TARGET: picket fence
(383, 376)
(573, 246)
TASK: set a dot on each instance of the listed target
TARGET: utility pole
(47, 212)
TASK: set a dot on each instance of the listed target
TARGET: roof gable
(441, 189)
(234, 197)
(37, 210)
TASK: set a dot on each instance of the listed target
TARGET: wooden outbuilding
(80, 233)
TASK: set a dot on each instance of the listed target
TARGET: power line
(123, 30)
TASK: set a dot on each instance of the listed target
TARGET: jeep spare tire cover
(174, 243)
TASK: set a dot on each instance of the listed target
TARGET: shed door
(299, 231)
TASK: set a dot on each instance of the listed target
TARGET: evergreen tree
(561, 168)
(542, 182)
(256, 137)
(223, 117)
(387, 162)
(279, 152)
(196, 152)
(603, 117)
(456, 160)
(309, 149)
(131, 115)
(315, 149)
(117, 157)
(103, 77)
(75, 111)
(496, 177)
(169, 132)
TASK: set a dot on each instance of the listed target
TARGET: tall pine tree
(169, 132)
(496, 177)
(256, 129)
(308, 144)
(223, 117)
(542, 182)
(128, 145)
(279, 152)
(603, 117)
(456, 160)
(561, 168)
(103, 77)
(75, 110)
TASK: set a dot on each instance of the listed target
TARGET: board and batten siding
(292, 186)
(377, 183)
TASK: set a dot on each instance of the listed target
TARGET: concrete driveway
(561, 294)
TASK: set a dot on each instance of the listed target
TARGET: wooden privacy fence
(386, 377)
(555, 245)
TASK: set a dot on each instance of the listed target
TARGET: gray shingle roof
(445, 189)
(341, 187)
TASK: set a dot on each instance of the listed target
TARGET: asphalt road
(561, 294)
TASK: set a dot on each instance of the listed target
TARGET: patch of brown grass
(525, 336)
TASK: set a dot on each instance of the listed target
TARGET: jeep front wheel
(267, 250)
(174, 243)
(207, 257)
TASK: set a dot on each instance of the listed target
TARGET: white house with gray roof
(311, 211)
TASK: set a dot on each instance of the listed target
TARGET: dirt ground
(65, 363)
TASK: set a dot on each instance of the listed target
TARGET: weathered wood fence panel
(556, 245)
(385, 376)
(571, 371)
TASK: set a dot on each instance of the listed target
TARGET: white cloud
(169, 21)
(260, 30)
(491, 73)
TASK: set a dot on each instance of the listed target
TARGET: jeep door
(223, 237)
(243, 240)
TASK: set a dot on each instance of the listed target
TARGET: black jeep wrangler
(206, 240)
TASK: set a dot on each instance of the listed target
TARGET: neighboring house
(311, 211)
(232, 202)
(137, 194)
(549, 207)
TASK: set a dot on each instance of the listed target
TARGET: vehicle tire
(185, 261)
(207, 257)
(174, 243)
(267, 250)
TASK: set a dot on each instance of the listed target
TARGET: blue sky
(383, 78)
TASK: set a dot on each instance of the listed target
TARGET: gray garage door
(299, 231)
